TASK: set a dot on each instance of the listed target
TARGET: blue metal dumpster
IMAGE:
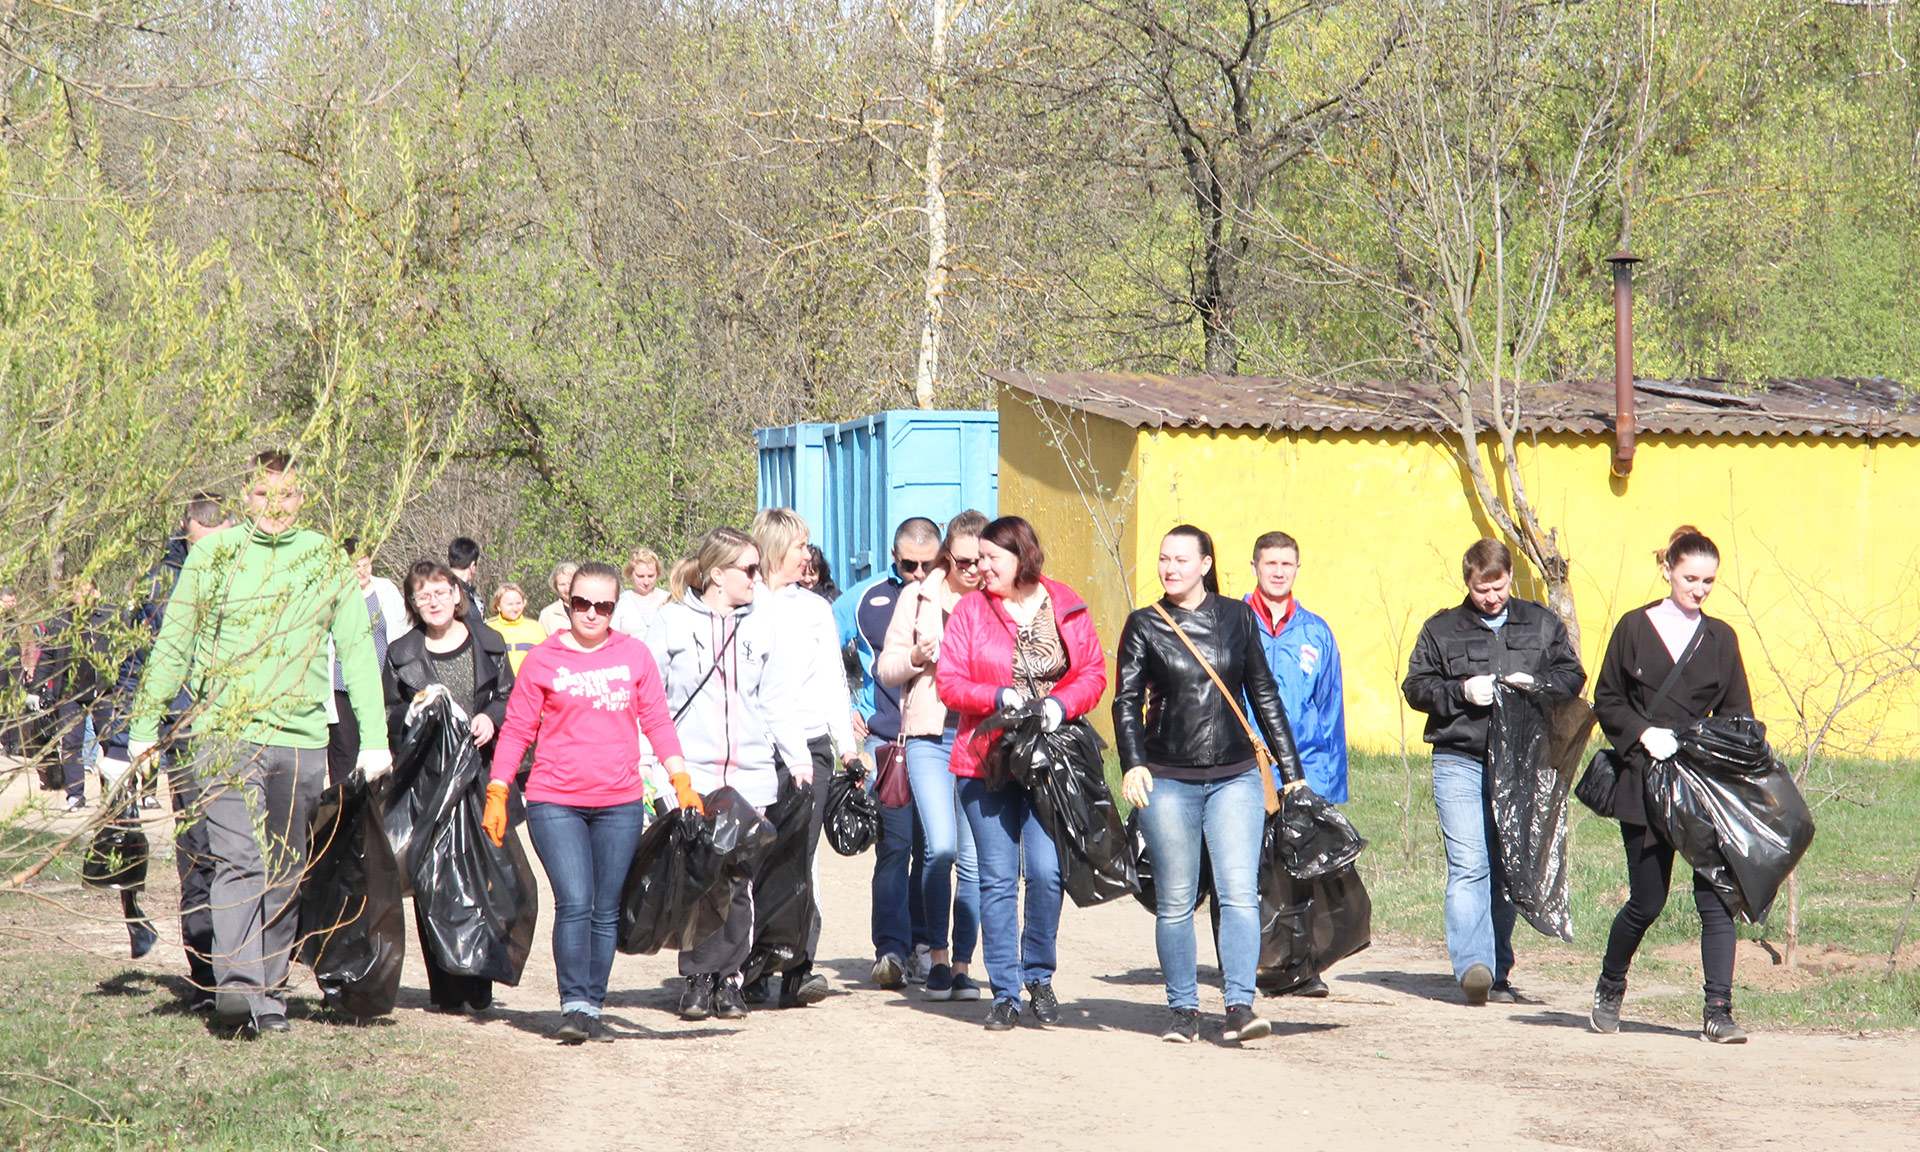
(854, 482)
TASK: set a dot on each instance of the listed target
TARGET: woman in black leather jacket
(1190, 770)
(469, 659)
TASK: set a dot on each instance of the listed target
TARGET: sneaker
(575, 1027)
(727, 1004)
(757, 992)
(598, 1032)
(1243, 1025)
(1607, 997)
(1003, 1016)
(1717, 1025)
(1045, 1005)
(799, 989)
(696, 1003)
(890, 971)
(76, 803)
(964, 988)
(920, 964)
(1502, 993)
(1315, 988)
(1183, 1027)
(149, 802)
(200, 1000)
(939, 983)
(272, 1022)
(1475, 983)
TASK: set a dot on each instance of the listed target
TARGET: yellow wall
(1817, 538)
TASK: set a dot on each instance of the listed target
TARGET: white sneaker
(920, 964)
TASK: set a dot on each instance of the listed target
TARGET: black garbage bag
(352, 930)
(481, 901)
(853, 816)
(1142, 864)
(117, 858)
(678, 888)
(1529, 772)
(1316, 838)
(1063, 772)
(783, 899)
(1732, 810)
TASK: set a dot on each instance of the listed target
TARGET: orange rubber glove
(495, 821)
(683, 791)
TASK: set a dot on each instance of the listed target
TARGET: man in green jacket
(246, 633)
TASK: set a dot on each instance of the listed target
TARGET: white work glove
(1520, 680)
(1052, 715)
(33, 701)
(138, 750)
(373, 764)
(1008, 698)
(1478, 690)
(1660, 743)
(427, 696)
(111, 769)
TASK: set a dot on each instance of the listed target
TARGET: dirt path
(1390, 1061)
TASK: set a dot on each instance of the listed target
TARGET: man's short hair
(462, 552)
(1487, 559)
(916, 530)
(204, 509)
(272, 460)
(1275, 540)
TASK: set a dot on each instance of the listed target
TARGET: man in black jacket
(1461, 652)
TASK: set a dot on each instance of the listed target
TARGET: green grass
(1854, 883)
(97, 1054)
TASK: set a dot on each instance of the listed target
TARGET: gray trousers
(726, 950)
(258, 801)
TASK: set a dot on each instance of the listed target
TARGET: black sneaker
(1475, 983)
(1502, 993)
(1243, 1025)
(727, 1004)
(799, 989)
(757, 992)
(1315, 988)
(1044, 1004)
(939, 983)
(575, 1027)
(1717, 1025)
(598, 1032)
(696, 1003)
(1183, 1026)
(272, 1022)
(1607, 998)
(964, 988)
(1003, 1016)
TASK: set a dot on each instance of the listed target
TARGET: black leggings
(1649, 875)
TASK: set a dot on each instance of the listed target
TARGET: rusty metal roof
(1801, 406)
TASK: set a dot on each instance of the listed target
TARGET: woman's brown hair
(1013, 534)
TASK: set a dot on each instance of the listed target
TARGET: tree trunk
(935, 285)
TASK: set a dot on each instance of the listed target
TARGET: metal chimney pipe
(1623, 426)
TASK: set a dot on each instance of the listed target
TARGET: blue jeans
(1479, 915)
(949, 846)
(1007, 834)
(1232, 816)
(899, 862)
(586, 852)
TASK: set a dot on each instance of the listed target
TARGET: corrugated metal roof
(1801, 406)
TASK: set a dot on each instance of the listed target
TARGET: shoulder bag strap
(1673, 677)
(1261, 752)
(711, 669)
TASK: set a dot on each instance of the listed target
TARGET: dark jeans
(899, 867)
(343, 740)
(586, 852)
(1649, 875)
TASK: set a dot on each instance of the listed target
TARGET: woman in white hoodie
(803, 623)
(731, 690)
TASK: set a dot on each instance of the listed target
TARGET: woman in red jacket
(1021, 637)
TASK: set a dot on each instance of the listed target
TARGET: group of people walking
(279, 663)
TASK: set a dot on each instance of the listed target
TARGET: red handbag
(890, 783)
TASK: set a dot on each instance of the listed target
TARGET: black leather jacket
(409, 671)
(1165, 707)
(1455, 644)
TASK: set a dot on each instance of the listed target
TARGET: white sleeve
(830, 680)
(785, 700)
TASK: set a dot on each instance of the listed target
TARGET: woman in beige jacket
(907, 660)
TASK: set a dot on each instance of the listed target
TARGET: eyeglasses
(583, 605)
(434, 596)
(914, 567)
(752, 570)
(966, 563)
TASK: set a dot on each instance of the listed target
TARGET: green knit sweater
(246, 633)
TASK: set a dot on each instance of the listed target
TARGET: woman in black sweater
(1642, 723)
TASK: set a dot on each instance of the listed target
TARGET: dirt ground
(1390, 1061)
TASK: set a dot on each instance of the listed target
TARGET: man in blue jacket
(1306, 662)
(863, 612)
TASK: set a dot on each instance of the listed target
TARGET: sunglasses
(916, 567)
(967, 563)
(752, 570)
(583, 605)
